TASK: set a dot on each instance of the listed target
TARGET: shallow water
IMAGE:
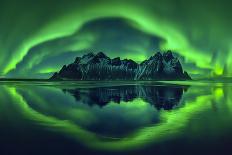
(115, 117)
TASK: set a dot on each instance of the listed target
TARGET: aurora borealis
(38, 37)
(201, 104)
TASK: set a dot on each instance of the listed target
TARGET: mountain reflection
(161, 97)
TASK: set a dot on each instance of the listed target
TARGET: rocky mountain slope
(100, 67)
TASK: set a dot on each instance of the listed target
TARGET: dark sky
(38, 37)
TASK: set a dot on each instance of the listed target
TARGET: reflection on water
(101, 118)
(162, 97)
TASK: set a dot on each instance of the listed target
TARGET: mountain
(100, 67)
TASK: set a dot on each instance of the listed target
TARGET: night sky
(38, 37)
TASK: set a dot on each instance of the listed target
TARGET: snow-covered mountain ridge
(161, 66)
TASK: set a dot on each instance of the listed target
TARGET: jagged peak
(168, 55)
(130, 63)
(64, 66)
(158, 54)
(91, 54)
(77, 60)
(128, 60)
(101, 55)
(117, 58)
(101, 67)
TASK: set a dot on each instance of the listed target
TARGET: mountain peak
(77, 60)
(100, 67)
(101, 55)
(88, 55)
(116, 61)
(158, 54)
(168, 55)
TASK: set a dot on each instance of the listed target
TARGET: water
(115, 118)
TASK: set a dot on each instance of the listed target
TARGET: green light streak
(178, 28)
(174, 120)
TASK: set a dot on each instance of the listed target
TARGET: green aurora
(38, 37)
(172, 122)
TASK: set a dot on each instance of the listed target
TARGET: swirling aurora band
(37, 38)
(174, 120)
